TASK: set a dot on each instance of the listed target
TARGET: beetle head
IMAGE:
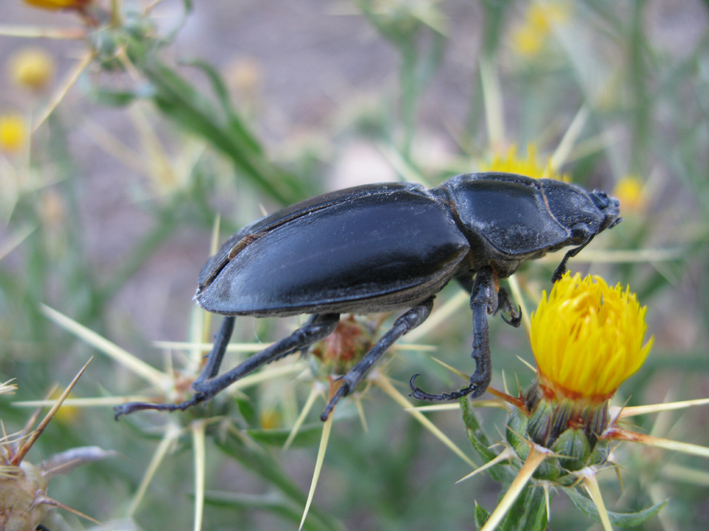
(609, 206)
(584, 214)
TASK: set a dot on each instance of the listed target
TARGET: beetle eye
(600, 199)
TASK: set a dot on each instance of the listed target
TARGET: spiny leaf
(307, 436)
(481, 516)
(528, 512)
(586, 506)
(272, 502)
(477, 436)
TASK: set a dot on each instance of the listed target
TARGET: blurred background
(128, 128)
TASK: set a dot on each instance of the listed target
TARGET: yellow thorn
(327, 427)
(384, 383)
(54, 503)
(455, 371)
(534, 369)
(17, 459)
(154, 376)
(199, 472)
(39, 32)
(656, 408)
(492, 96)
(206, 346)
(102, 401)
(161, 451)
(505, 454)
(15, 240)
(440, 315)
(658, 442)
(561, 154)
(536, 456)
(314, 393)
(590, 483)
(360, 410)
(63, 89)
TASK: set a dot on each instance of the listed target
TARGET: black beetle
(386, 247)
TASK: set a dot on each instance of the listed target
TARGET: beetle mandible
(387, 247)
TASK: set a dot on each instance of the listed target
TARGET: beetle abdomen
(344, 257)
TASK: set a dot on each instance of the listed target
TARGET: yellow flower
(529, 38)
(270, 419)
(587, 338)
(543, 15)
(529, 166)
(58, 4)
(631, 193)
(13, 132)
(527, 41)
(31, 68)
(66, 415)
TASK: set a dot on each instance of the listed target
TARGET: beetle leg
(483, 302)
(505, 304)
(406, 322)
(561, 268)
(317, 328)
(214, 361)
(466, 282)
(209, 384)
(221, 340)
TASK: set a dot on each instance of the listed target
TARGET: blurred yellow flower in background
(32, 68)
(630, 191)
(58, 4)
(13, 132)
(529, 166)
(529, 38)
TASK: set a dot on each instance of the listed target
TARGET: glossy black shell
(388, 246)
(369, 249)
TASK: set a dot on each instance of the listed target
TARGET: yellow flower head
(529, 166)
(587, 338)
(58, 4)
(529, 38)
(631, 193)
(31, 68)
(13, 132)
(527, 41)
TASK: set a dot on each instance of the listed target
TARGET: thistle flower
(587, 339)
(23, 486)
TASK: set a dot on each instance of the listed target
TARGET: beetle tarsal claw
(515, 317)
(443, 397)
(132, 407)
(343, 390)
